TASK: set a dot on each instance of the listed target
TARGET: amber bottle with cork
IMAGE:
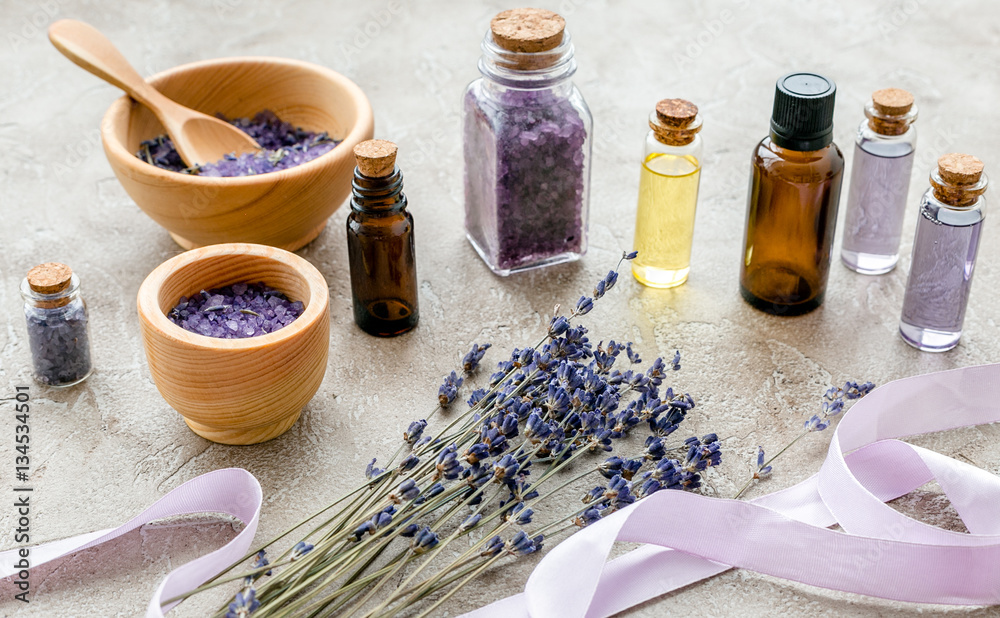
(944, 254)
(668, 195)
(380, 244)
(796, 174)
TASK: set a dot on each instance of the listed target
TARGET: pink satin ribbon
(881, 552)
(232, 491)
(689, 537)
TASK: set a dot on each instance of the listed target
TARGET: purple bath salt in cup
(527, 146)
(944, 254)
(880, 179)
(236, 311)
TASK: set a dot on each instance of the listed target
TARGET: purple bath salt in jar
(944, 254)
(527, 146)
(57, 325)
(880, 179)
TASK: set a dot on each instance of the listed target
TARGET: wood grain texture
(285, 209)
(198, 137)
(236, 391)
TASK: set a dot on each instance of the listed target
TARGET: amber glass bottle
(380, 244)
(796, 173)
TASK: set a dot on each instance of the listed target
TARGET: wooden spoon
(198, 137)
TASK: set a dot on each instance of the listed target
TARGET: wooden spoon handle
(88, 48)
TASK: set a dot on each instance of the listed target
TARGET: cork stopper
(49, 278)
(960, 169)
(675, 122)
(958, 179)
(676, 113)
(890, 111)
(376, 157)
(528, 30)
(892, 101)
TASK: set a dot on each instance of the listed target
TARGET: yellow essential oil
(664, 225)
(668, 195)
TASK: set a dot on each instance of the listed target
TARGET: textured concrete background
(106, 449)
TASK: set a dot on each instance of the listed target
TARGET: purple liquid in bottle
(937, 293)
(876, 205)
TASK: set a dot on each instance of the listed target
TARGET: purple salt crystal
(60, 346)
(284, 146)
(526, 176)
(236, 312)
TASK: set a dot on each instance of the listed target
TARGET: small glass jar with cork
(527, 146)
(380, 244)
(668, 195)
(880, 179)
(57, 325)
(944, 254)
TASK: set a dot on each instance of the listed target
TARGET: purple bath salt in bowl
(237, 311)
(284, 144)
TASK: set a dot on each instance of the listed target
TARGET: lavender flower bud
(449, 389)
(815, 423)
(633, 356)
(630, 255)
(409, 530)
(244, 604)
(424, 540)
(471, 361)
(371, 471)
(557, 326)
(408, 490)
(594, 494)
(587, 517)
(414, 431)
(476, 453)
(261, 561)
(409, 463)
(584, 305)
(301, 549)
(470, 522)
(494, 547)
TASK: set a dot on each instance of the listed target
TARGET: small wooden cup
(236, 391)
(285, 209)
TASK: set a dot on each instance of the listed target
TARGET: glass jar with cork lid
(944, 254)
(668, 195)
(57, 325)
(527, 146)
(880, 179)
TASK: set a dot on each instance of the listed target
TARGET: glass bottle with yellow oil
(668, 194)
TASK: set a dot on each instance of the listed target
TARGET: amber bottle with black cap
(796, 173)
(380, 244)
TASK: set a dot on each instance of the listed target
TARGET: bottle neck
(51, 301)
(794, 154)
(887, 124)
(383, 195)
(673, 135)
(527, 70)
(957, 196)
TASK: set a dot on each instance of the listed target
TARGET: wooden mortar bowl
(236, 391)
(285, 209)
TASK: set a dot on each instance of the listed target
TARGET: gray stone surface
(106, 449)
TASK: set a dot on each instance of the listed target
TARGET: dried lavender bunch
(544, 421)
(833, 403)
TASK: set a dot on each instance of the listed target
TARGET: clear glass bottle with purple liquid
(944, 254)
(527, 146)
(880, 179)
